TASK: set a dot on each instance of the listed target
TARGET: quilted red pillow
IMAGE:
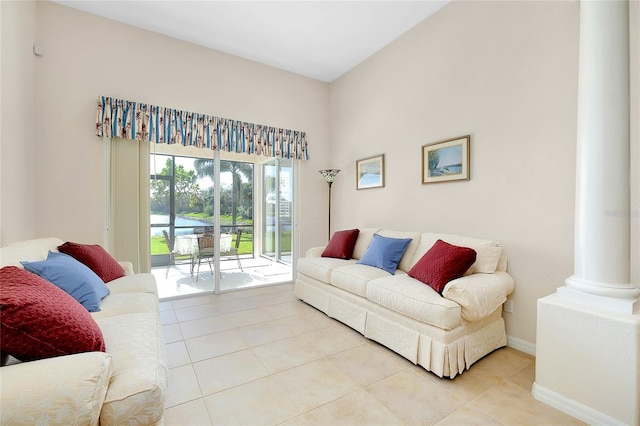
(342, 244)
(39, 320)
(96, 258)
(442, 263)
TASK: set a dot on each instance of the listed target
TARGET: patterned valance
(139, 121)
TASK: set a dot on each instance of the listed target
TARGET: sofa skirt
(446, 353)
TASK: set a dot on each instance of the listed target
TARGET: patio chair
(172, 252)
(205, 251)
(233, 251)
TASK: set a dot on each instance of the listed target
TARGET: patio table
(187, 244)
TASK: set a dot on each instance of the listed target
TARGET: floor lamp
(329, 175)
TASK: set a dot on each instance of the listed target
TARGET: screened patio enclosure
(252, 238)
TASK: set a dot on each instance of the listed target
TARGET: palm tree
(238, 170)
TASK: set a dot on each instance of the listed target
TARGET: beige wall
(18, 170)
(88, 56)
(503, 72)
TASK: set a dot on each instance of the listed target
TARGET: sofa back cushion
(407, 258)
(488, 251)
(29, 250)
(364, 239)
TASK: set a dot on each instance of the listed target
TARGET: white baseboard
(572, 408)
(521, 345)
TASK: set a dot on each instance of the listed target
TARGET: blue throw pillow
(385, 252)
(73, 277)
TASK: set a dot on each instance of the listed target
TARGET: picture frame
(370, 172)
(446, 161)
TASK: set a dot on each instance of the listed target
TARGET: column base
(622, 299)
(588, 362)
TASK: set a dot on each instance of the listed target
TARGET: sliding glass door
(277, 203)
(203, 234)
(236, 247)
(181, 204)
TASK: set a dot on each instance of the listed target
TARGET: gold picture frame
(370, 172)
(446, 161)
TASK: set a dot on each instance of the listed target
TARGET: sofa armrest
(62, 390)
(128, 268)
(314, 252)
(479, 294)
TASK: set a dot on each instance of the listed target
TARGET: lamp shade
(329, 174)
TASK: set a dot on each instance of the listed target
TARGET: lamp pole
(329, 175)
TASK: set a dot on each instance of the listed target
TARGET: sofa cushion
(138, 283)
(29, 250)
(73, 277)
(96, 258)
(342, 244)
(488, 251)
(410, 297)
(442, 263)
(127, 303)
(364, 239)
(385, 252)
(407, 257)
(39, 320)
(354, 278)
(139, 379)
(320, 267)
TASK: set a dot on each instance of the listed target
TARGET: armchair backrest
(205, 242)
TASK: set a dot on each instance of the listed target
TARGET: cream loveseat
(124, 385)
(445, 333)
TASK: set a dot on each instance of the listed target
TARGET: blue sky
(450, 155)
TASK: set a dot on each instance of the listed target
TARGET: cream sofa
(124, 385)
(444, 334)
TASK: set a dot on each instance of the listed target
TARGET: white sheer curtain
(129, 227)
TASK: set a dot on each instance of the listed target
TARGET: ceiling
(317, 39)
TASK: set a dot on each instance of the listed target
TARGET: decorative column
(587, 339)
(602, 231)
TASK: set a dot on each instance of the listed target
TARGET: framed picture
(446, 161)
(370, 172)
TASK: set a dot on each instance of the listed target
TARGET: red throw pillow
(442, 263)
(96, 258)
(342, 244)
(39, 320)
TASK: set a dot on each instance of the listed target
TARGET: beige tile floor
(262, 357)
